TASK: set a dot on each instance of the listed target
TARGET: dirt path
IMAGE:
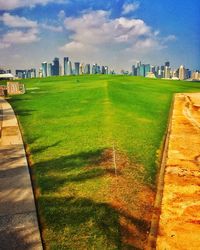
(179, 226)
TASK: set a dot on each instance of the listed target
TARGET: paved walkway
(179, 226)
(18, 220)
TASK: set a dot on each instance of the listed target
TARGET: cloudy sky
(116, 33)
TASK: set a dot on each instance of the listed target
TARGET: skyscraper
(167, 73)
(162, 71)
(44, 69)
(167, 64)
(81, 68)
(142, 70)
(50, 71)
(133, 70)
(147, 69)
(103, 70)
(87, 69)
(106, 69)
(31, 73)
(20, 73)
(138, 65)
(94, 68)
(69, 68)
(55, 67)
(182, 72)
(77, 66)
(66, 59)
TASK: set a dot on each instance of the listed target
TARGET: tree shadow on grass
(81, 222)
(86, 221)
(54, 174)
(43, 148)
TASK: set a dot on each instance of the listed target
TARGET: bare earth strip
(179, 225)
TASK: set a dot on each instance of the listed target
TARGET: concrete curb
(18, 218)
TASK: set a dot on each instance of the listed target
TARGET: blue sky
(116, 33)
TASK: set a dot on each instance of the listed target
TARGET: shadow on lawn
(81, 221)
(56, 173)
(88, 223)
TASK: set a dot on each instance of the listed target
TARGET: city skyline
(116, 33)
(57, 68)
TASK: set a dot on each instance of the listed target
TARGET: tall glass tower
(50, 73)
(44, 69)
(87, 69)
(66, 60)
(56, 67)
(77, 66)
(69, 68)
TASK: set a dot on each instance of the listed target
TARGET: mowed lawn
(74, 127)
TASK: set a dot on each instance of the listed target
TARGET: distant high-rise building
(195, 75)
(66, 60)
(81, 68)
(147, 69)
(188, 73)
(50, 69)
(162, 71)
(103, 70)
(106, 70)
(21, 73)
(76, 67)
(142, 70)
(40, 72)
(167, 72)
(98, 69)
(182, 73)
(157, 71)
(69, 68)
(60, 70)
(133, 70)
(94, 69)
(153, 69)
(175, 74)
(167, 64)
(4, 70)
(138, 65)
(55, 67)
(44, 69)
(31, 73)
(87, 69)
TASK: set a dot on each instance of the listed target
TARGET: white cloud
(95, 28)
(52, 28)
(61, 15)
(170, 38)
(96, 36)
(14, 4)
(19, 37)
(16, 21)
(130, 7)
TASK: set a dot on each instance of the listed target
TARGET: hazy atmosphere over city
(116, 33)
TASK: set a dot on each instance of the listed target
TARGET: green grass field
(70, 126)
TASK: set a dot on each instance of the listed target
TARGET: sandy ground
(179, 226)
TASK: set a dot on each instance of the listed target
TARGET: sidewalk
(18, 220)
